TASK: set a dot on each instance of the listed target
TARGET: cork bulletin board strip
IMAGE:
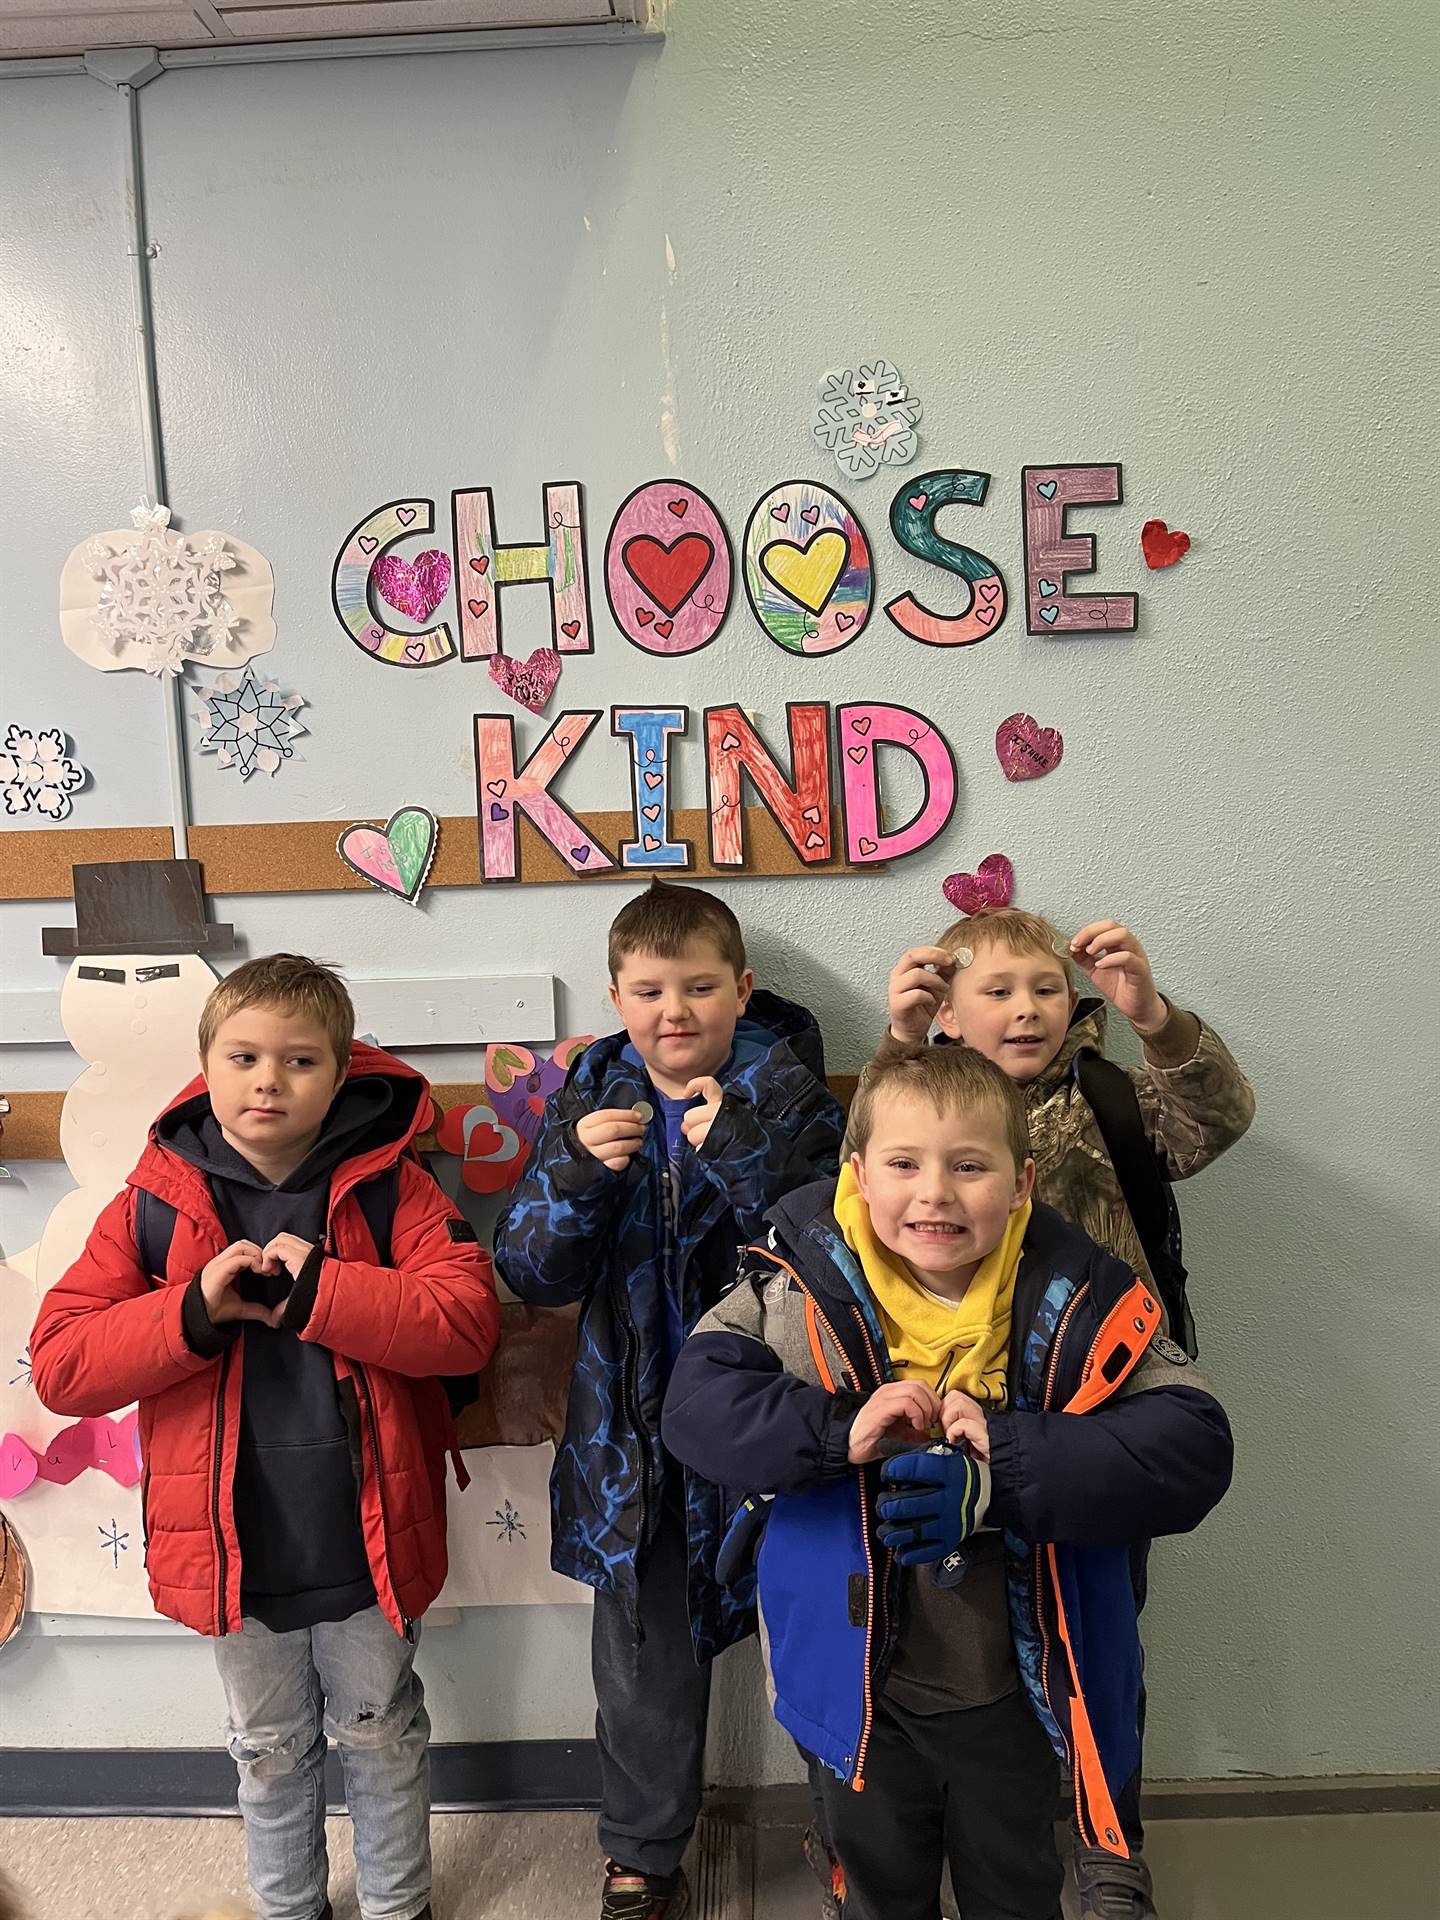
(298, 856)
(32, 1127)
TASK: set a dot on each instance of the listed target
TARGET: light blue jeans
(354, 1681)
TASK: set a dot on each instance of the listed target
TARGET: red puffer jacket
(108, 1334)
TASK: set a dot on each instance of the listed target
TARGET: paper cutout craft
(668, 568)
(992, 885)
(808, 571)
(867, 418)
(649, 730)
(364, 565)
(530, 683)
(1162, 547)
(859, 730)
(799, 806)
(413, 587)
(495, 1143)
(105, 1443)
(37, 774)
(1052, 554)
(502, 794)
(13, 1581)
(525, 1389)
(154, 599)
(396, 858)
(1025, 749)
(251, 723)
(484, 569)
(912, 521)
(491, 1565)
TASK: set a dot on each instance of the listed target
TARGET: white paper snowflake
(252, 724)
(35, 773)
(867, 418)
(160, 597)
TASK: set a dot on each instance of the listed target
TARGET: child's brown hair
(954, 1078)
(1008, 927)
(664, 920)
(291, 983)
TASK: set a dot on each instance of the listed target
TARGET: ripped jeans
(355, 1681)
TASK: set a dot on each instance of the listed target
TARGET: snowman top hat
(138, 906)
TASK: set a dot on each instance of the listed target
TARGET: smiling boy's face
(680, 1012)
(940, 1184)
(1013, 1007)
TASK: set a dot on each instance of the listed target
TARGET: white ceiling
(47, 27)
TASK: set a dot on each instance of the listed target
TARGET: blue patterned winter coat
(577, 1231)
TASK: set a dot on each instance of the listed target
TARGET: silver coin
(643, 1111)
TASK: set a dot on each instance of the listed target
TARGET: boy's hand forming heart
(696, 1122)
(289, 1251)
(919, 982)
(1112, 958)
(219, 1276)
(963, 1419)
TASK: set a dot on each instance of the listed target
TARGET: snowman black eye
(863, 386)
(893, 396)
(112, 976)
(172, 972)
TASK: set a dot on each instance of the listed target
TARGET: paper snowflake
(161, 598)
(252, 724)
(866, 418)
(35, 773)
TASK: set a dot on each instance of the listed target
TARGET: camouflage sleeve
(1194, 1107)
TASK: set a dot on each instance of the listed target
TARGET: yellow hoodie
(965, 1345)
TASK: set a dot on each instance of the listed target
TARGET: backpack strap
(154, 1230)
(1110, 1095)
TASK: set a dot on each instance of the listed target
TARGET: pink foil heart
(413, 587)
(991, 885)
(528, 682)
(1025, 749)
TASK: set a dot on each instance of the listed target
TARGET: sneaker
(826, 1870)
(1111, 1888)
(643, 1896)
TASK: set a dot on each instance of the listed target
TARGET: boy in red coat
(293, 1427)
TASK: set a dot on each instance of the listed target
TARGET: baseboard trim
(495, 1776)
(533, 1776)
(1253, 1799)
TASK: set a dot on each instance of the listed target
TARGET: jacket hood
(771, 1027)
(379, 1109)
(1086, 1029)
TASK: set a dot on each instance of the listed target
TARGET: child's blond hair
(955, 1079)
(290, 983)
(1008, 927)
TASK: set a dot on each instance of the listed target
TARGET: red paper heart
(67, 1454)
(1160, 546)
(668, 574)
(530, 682)
(1025, 749)
(413, 587)
(991, 885)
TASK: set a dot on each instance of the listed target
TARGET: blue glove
(930, 1501)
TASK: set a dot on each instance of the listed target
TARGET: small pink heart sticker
(992, 885)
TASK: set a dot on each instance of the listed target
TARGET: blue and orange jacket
(763, 1396)
(578, 1231)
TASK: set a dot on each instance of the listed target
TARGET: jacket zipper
(221, 1554)
(1051, 1371)
(882, 1586)
(374, 1426)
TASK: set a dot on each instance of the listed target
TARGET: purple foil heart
(413, 587)
(528, 682)
(991, 885)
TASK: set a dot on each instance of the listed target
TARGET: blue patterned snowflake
(508, 1525)
(252, 724)
(114, 1541)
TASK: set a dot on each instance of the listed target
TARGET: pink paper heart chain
(103, 1443)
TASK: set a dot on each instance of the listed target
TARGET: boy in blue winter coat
(658, 1159)
(966, 1412)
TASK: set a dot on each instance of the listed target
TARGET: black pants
(653, 1702)
(978, 1788)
